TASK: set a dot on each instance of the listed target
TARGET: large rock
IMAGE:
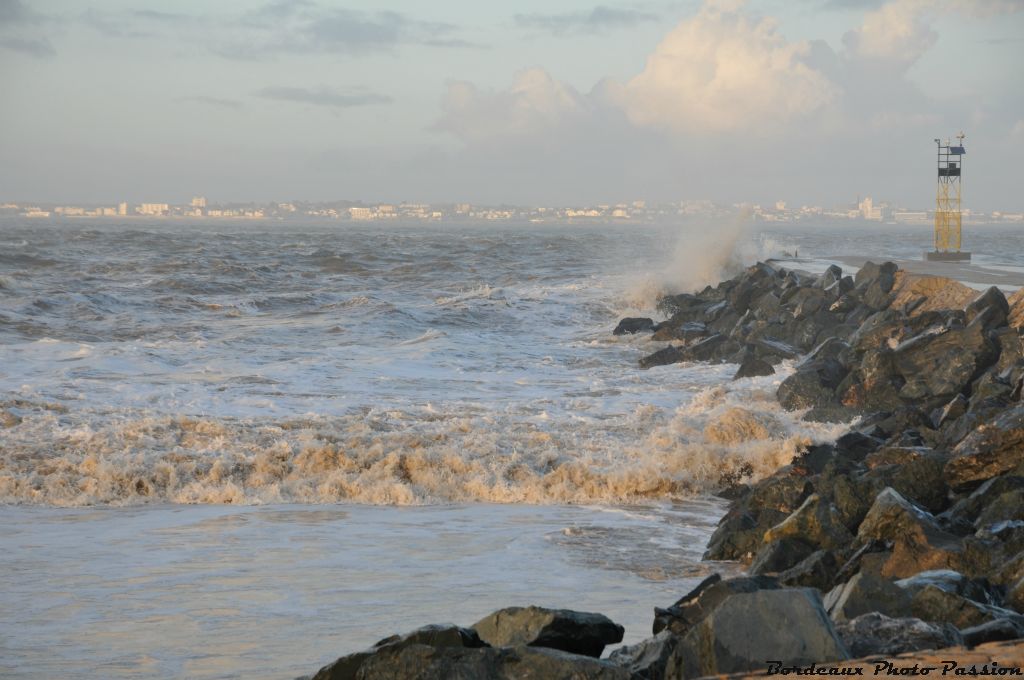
(993, 449)
(941, 362)
(877, 634)
(915, 472)
(752, 367)
(989, 310)
(932, 603)
(812, 385)
(816, 571)
(919, 543)
(747, 629)
(655, 658)
(692, 608)
(865, 593)
(817, 523)
(663, 357)
(433, 636)
(570, 631)
(421, 662)
(631, 325)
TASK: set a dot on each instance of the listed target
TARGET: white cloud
(721, 70)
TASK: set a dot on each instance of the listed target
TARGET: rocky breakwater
(905, 534)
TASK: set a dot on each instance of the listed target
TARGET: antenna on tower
(948, 215)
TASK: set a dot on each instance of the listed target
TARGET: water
(244, 450)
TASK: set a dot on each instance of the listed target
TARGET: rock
(816, 522)
(919, 544)
(994, 448)
(915, 472)
(663, 357)
(816, 571)
(770, 347)
(812, 385)
(932, 603)
(947, 580)
(420, 662)
(746, 629)
(1004, 507)
(967, 510)
(652, 659)
(8, 419)
(687, 332)
(570, 631)
(692, 608)
(939, 363)
(990, 309)
(884, 275)
(877, 634)
(433, 636)
(752, 367)
(780, 555)
(990, 631)
(1015, 596)
(633, 324)
(956, 407)
(866, 593)
(707, 349)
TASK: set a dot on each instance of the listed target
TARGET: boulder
(932, 603)
(687, 332)
(990, 309)
(990, 631)
(919, 544)
(631, 325)
(663, 357)
(941, 362)
(969, 508)
(570, 631)
(865, 593)
(753, 367)
(882, 275)
(816, 522)
(816, 571)
(947, 580)
(876, 634)
(421, 662)
(692, 608)
(780, 555)
(432, 636)
(707, 349)
(812, 385)
(746, 629)
(915, 472)
(994, 448)
(953, 409)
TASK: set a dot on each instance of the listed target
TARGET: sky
(534, 102)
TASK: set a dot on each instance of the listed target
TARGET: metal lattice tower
(948, 233)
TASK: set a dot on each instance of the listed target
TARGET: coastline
(902, 536)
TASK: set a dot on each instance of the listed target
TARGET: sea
(245, 449)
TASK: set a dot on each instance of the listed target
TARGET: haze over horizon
(809, 102)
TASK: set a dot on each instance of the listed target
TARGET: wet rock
(9, 419)
(631, 325)
(919, 544)
(692, 608)
(994, 448)
(939, 363)
(915, 472)
(687, 332)
(652, 659)
(812, 385)
(947, 580)
(420, 662)
(433, 636)
(744, 630)
(570, 631)
(816, 522)
(752, 367)
(866, 593)
(663, 357)
(877, 634)
(708, 349)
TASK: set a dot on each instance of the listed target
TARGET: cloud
(34, 47)
(21, 30)
(600, 18)
(535, 102)
(721, 70)
(323, 97)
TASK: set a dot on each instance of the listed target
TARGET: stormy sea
(245, 449)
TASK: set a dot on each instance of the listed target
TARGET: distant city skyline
(575, 102)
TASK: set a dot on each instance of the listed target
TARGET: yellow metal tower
(948, 235)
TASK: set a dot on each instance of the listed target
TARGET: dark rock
(816, 571)
(752, 367)
(993, 449)
(687, 332)
(746, 629)
(707, 349)
(780, 555)
(939, 363)
(420, 662)
(812, 385)
(693, 607)
(632, 325)
(1015, 596)
(433, 636)
(655, 658)
(968, 509)
(946, 580)
(876, 634)
(1004, 507)
(990, 309)
(663, 357)
(866, 593)
(857, 445)
(991, 631)
(915, 472)
(956, 407)
(570, 631)
(770, 347)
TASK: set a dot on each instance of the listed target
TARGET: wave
(400, 457)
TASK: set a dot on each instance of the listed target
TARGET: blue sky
(808, 101)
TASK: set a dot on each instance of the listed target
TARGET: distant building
(868, 210)
(153, 209)
(122, 209)
(360, 213)
(199, 202)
